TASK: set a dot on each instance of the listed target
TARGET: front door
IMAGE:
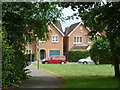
(42, 54)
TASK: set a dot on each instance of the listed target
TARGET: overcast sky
(69, 12)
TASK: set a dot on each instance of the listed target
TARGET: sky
(68, 12)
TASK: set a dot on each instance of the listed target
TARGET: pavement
(40, 79)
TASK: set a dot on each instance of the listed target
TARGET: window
(54, 52)
(61, 57)
(49, 27)
(88, 39)
(81, 27)
(28, 51)
(77, 40)
(54, 38)
(42, 40)
(54, 57)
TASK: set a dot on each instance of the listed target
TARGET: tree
(20, 20)
(100, 49)
(100, 17)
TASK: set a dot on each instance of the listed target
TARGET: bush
(75, 55)
(13, 64)
(100, 51)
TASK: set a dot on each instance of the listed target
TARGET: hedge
(13, 64)
(75, 55)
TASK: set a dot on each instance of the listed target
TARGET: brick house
(76, 38)
(53, 46)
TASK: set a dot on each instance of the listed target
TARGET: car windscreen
(61, 57)
(54, 57)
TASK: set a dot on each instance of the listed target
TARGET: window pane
(77, 39)
(27, 51)
(80, 39)
(56, 38)
(54, 57)
(89, 39)
(74, 39)
(52, 38)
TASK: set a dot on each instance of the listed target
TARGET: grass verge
(83, 76)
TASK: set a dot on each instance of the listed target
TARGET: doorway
(42, 54)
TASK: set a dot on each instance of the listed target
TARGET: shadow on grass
(91, 82)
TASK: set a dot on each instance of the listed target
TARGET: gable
(80, 27)
(56, 28)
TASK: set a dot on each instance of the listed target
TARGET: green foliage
(28, 17)
(13, 64)
(100, 50)
(20, 20)
(75, 55)
(99, 17)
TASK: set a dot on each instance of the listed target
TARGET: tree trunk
(115, 58)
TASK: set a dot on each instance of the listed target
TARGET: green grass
(84, 76)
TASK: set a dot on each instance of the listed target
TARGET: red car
(55, 59)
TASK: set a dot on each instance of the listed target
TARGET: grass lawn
(83, 76)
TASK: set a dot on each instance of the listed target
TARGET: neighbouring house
(76, 38)
(53, 46)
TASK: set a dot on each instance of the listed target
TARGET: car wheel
(46, 62)
(62, 62)
(85, 62)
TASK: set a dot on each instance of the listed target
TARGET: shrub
(13, 64)
(100, 51)
(75, 55)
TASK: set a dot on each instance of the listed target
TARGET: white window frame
(89, 41)
(54, 36)
(28, 51)
(49, 27)
(76, 40)
(42, 41)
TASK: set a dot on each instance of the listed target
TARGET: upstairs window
(55, 38)
(42, 40)
(28, 51)
(77, 40)
(49, 27)
(88, 39)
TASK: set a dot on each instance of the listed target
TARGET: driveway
(41, 79)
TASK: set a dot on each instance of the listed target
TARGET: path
(41, 79)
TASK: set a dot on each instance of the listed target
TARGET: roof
(58, 24)
(58, 27)
(79, 47)
(72, 27)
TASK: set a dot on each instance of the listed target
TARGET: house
(53, 46)
(76, 38)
